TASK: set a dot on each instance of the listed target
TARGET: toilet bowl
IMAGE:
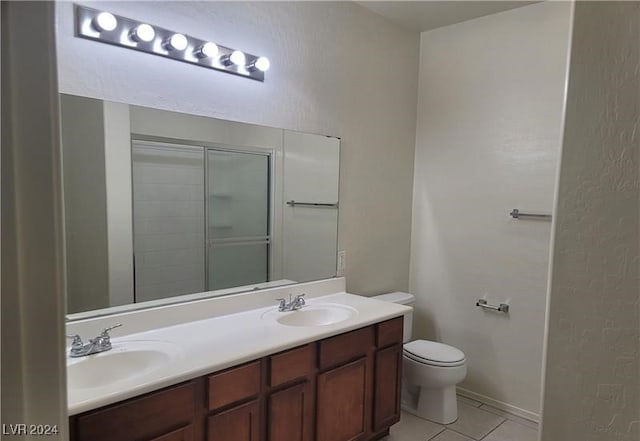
(431, 371)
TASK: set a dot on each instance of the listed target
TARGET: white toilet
(430, 371)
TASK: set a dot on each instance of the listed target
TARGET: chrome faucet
(293, 305)
(99, 344)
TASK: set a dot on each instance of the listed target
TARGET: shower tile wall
(168, 210)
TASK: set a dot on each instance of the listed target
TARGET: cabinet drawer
(147, 417)
(234, 385)
(389, 332)
(290, 365)
(346, 347)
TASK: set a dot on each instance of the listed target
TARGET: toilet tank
(402, 298)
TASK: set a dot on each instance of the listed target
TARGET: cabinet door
(241, 423)
(343, 403)
(290, 414)
(386, 400)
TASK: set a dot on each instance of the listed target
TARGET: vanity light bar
(114, 29)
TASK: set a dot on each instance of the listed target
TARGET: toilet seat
(433, 354)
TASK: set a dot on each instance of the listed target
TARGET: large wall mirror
(164, 207)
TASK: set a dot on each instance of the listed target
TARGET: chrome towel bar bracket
(502, 307)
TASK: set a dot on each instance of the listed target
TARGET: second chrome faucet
(293, 305)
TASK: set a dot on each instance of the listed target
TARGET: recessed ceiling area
(425, 15)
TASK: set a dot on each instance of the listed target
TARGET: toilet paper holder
(502, 307)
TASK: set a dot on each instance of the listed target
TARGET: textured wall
(488, 139)
(330, 74)
(592, 378)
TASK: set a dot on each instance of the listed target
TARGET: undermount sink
(313, 315)
(125, 361)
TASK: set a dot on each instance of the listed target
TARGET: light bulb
(262, 64)
(238, 58)
(143, 32)
(177, 42)
(207, 50)
(105, 21)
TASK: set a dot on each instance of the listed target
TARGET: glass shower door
(238, 206)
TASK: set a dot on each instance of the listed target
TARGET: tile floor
(476, 422)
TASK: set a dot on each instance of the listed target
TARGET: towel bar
(312, 204)
(502, 307)
(517, 214)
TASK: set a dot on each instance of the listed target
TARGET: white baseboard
(531, 416)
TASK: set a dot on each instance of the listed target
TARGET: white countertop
(206, 346)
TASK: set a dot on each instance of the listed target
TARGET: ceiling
(425, 15)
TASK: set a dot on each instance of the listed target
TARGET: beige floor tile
(450, 435)
(469, 401)
(474, 422)
(412, 428)
(512, 431)
(510, 416)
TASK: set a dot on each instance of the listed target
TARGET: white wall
(117, 162)
(311, 173)
(488, 137)
(592, 376)
(96, 143)
(85, 203)
(328, 76)
(33, 383)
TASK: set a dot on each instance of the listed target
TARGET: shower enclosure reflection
(194, 234)
(160, 206)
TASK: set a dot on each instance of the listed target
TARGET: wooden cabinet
(140, 419)
(386, 405)
(388, 374)
(234, 385)
(389, 332)
(344, 391)
(240, 423)
(346, 347)
(290, 413)
(343, 402)
(292, 365)
(343, 388)
(290, 400)
(184, 434)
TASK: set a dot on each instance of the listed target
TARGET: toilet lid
(431, 352)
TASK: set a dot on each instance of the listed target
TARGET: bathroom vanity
(343, 384)
(345, 387)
